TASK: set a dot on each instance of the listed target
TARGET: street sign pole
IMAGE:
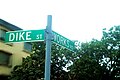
(48, 47)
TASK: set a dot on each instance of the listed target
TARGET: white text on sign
(19, 36)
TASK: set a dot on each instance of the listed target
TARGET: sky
(79, 20)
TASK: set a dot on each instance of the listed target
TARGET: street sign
(40, 35)
(25, 36)
(61, 40)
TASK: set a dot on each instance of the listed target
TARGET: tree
(87, 66)
(99, 59)
(32, 67)
(111, 40)
(94, 60)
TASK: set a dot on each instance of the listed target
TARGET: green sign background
(25, 36)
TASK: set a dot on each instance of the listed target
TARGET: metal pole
(48, 47)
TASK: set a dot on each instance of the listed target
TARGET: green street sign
(25, 36)
(61, 40)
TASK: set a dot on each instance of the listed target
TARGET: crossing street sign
(61, 40)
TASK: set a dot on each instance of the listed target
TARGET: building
(11, 54)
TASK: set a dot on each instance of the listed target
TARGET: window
(23, 59)
(28, 46)
(4, 58)
(2, 34)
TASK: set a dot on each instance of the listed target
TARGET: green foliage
(32, 67)
(99, 60)
(87, 65)
(111, 40)
(59, 59)
(94, 60)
